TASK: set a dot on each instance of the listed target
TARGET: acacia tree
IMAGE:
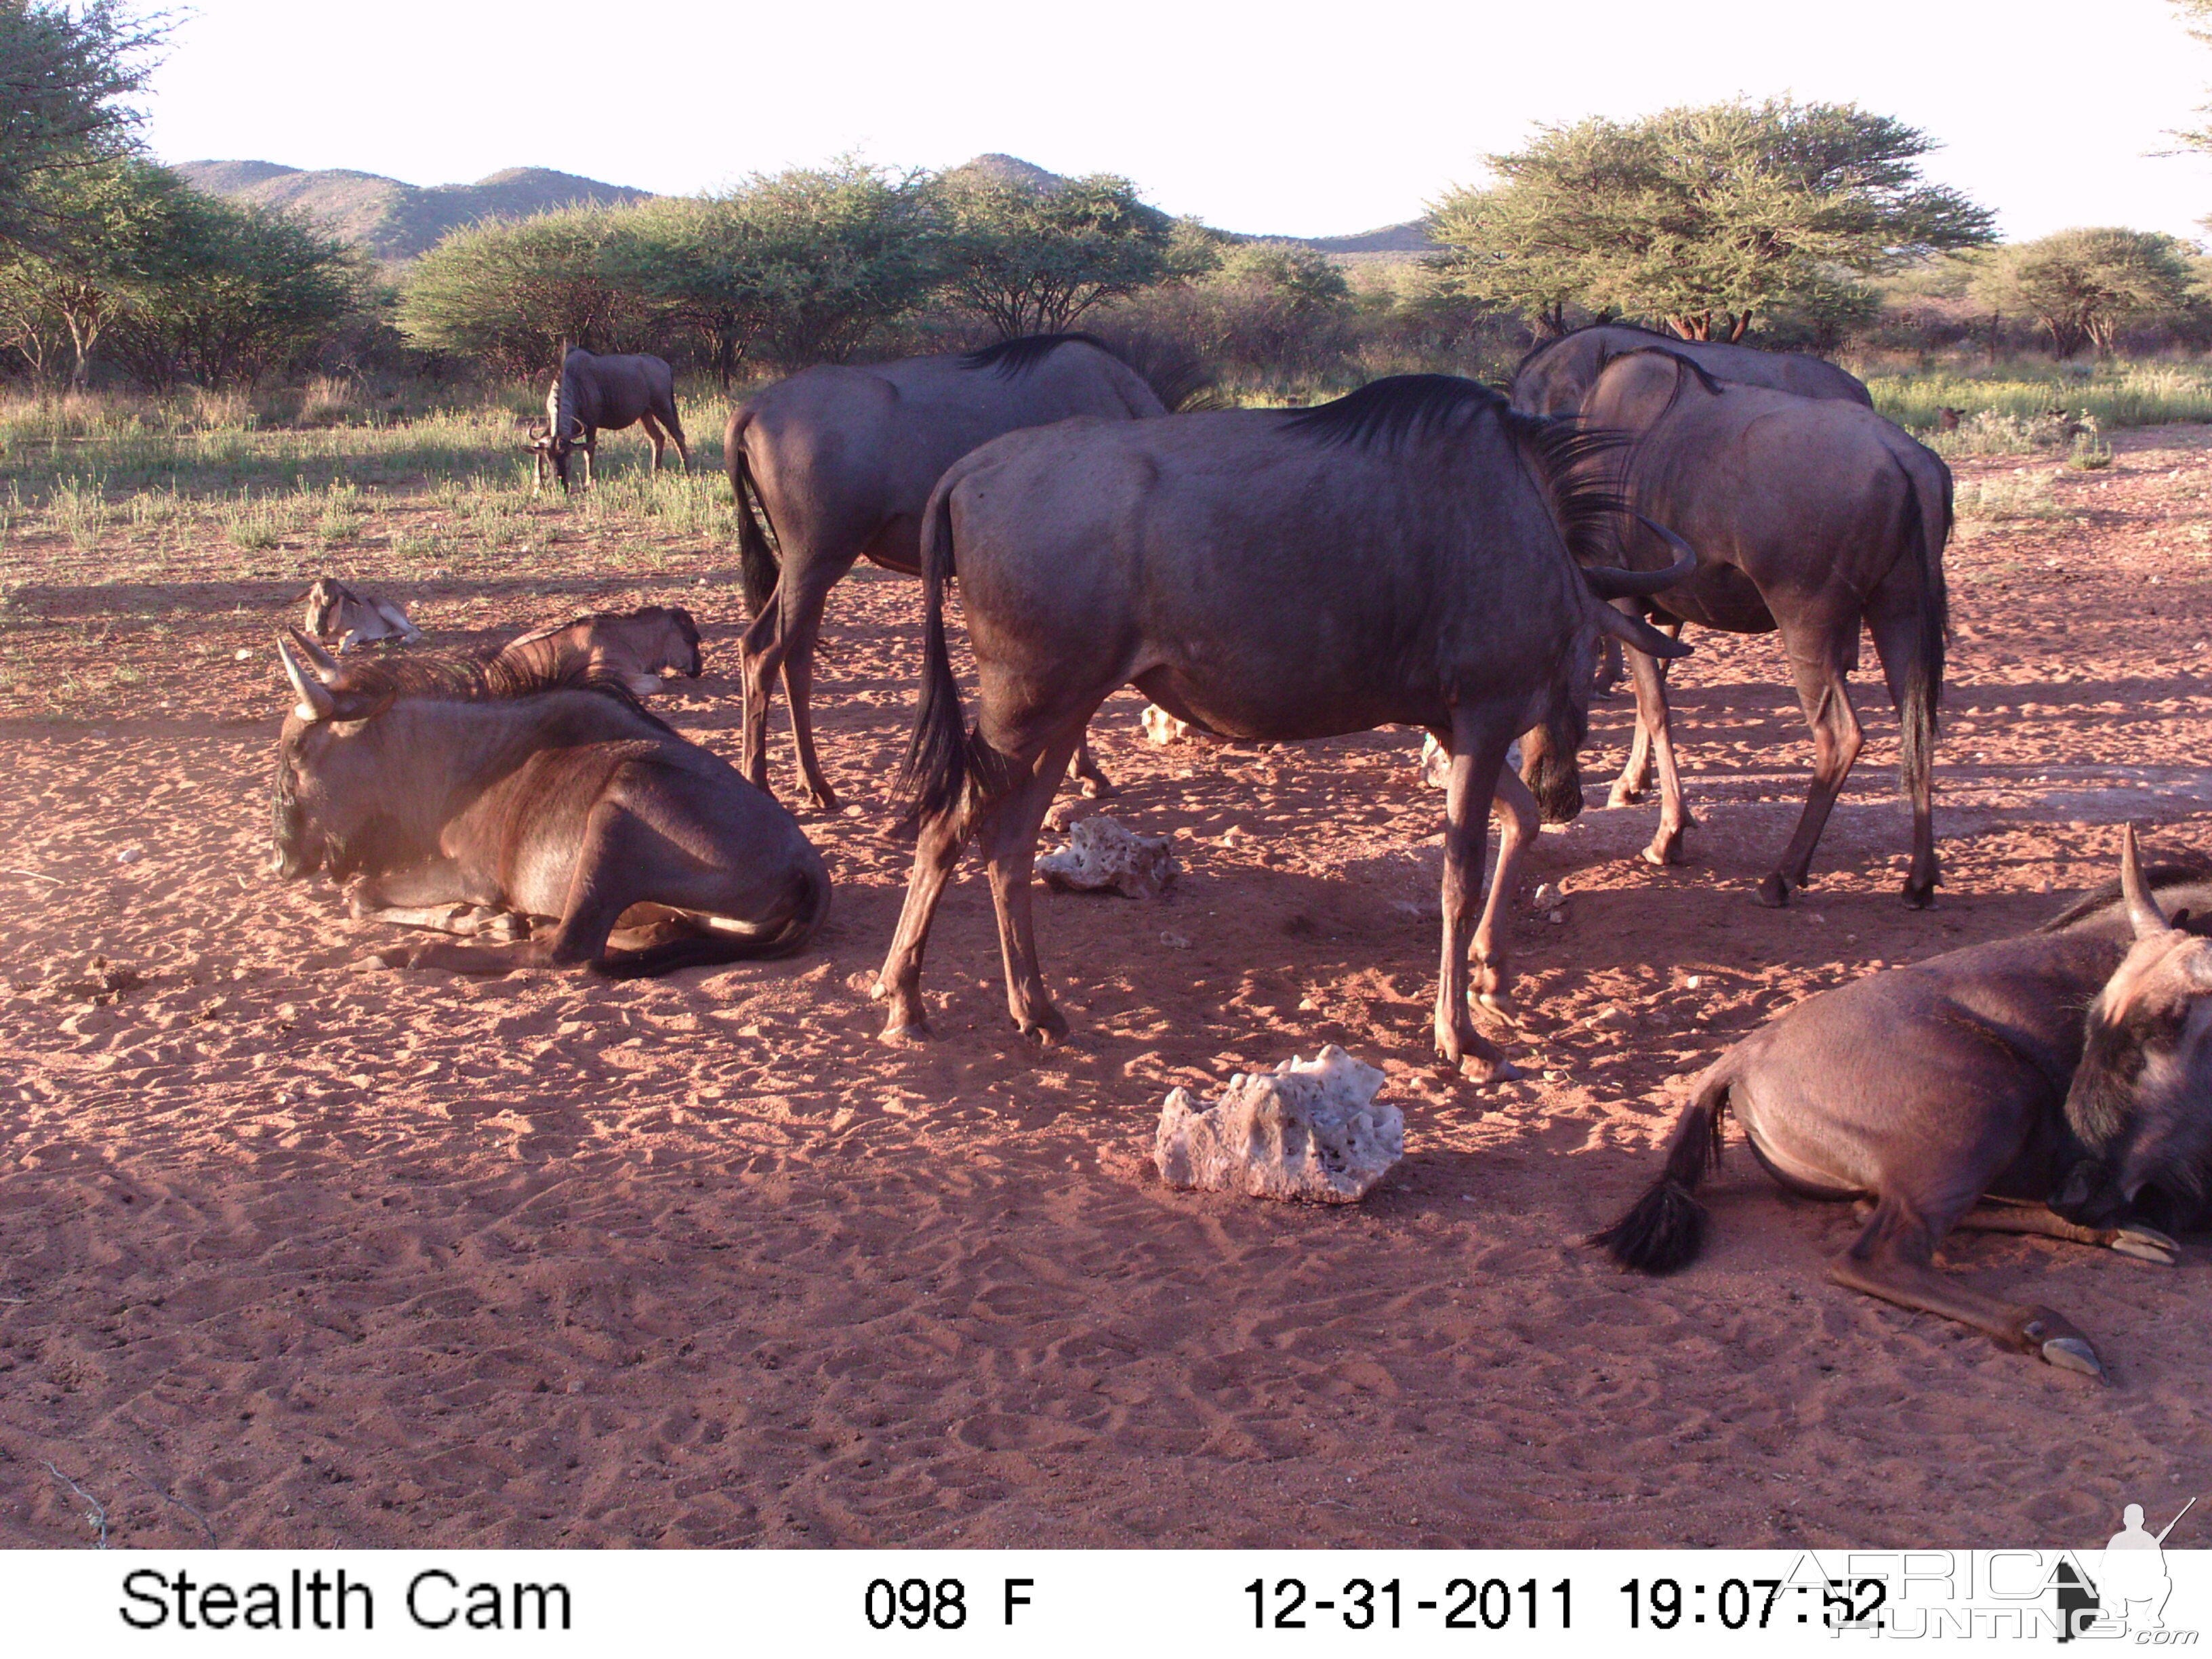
(2085, 286)
(64, 72)
(1703, 219)
(791, 269)
(1031, 257)
(511, 293)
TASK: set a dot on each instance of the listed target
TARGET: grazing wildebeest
(2066, 1075)
(635, 647)
(433, 788)
(592, 393)
(1555, 377)
(338, 615)
(840, 460)
(1810, 517)
(1400, 555)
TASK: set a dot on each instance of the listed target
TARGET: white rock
(1308, 1129)
(1436, 762)
(1547, 896)
(1104, 855)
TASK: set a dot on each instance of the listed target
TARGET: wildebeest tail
(757, 569)
(943, 759)
(705, 949)
(1665, 1229)
(1924, 674)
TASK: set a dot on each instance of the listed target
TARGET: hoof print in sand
(1103, 855)
(1310, 1129)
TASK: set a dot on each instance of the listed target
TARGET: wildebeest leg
(781, 641)
(1821, 653)
(1481, 734)
(1096, 783)
(1609, 668)
(616, 844)
(1518, 822)
(1654, 725)
(1894, 618)
(655, 437)
(1996, 1215)
(937, 850)
(1636, 776)
(1010, 838)
(1894, 1259)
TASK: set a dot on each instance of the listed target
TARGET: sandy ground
(296, 1254)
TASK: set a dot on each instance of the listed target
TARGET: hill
(396, 221)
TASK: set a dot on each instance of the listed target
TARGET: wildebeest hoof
(2071, 1353)
(1047, 1029)
(1482, 1073)
(2146, 1244)
(1500, 1003)
(1918, 897)
(1773, 892)
(1622, 796)
(1097, 788)
(899, 1033)
(1661, 853)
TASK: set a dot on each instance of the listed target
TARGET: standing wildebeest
(1810, 517)
(633, 648)
(1555, 377)
(2067, 1075)
(840, 460)
(591, 394)
(439, 786)
(1402, 555)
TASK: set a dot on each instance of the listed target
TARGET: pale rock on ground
(1308, 1129)
(1104, 855)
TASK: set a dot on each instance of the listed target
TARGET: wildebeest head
(327, 812)
(1549, 763)
(2141, 1101)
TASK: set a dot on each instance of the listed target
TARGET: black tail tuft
(1924, 676)
(1665, 1229)
(946, 763)
(757, 568)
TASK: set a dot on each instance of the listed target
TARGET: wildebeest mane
(1569, 457)
(387, 680)
(1024, 352)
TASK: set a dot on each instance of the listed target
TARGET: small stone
(1103, 855)
(1612, 1018)
(241, 656)
(1176, 941)
(1310, 1129)
(1695, 982)
(130, 855)
(1547, 897)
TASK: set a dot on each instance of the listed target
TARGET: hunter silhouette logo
(2130, 1586)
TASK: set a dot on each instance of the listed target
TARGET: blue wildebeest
(1555, 377)
(440, 791)
(592, 394)
(1400, 555)
(840, 462)
(1810, 517)
(635, 647)
(2064, 1077)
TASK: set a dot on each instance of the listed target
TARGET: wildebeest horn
(1610, 582)
(326, 666)
(2142, 909)
(316, 702)
(1639, 634)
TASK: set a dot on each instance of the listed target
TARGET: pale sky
(1294, 118)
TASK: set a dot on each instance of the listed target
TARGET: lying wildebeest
(430, 786)
(1810, 517)
(840, 460)
(592, 393)
(338, 615)
(2066, 1075)
(1555, 377)
(1400, 555)
(636, 648)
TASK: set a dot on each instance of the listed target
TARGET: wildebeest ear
(1636, 632)
(316, 702)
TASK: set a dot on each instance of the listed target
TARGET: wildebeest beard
(2106, 1112)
